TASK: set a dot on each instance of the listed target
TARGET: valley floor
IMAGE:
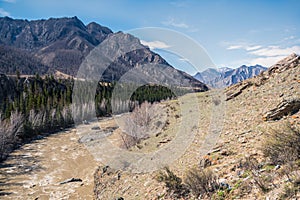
(226, 134)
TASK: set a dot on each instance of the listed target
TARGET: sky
(231, 33)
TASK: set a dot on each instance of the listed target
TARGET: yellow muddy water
(36, 170)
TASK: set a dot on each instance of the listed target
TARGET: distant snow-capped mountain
(223, 77)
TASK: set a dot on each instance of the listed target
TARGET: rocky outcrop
(237, 91)
(70, 180)
(291, 61)
(286, 107)
(283, 65)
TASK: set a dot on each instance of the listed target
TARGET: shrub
(10, 130)
(253, 166)
(138, 124)
(282, 145)
(201, 181)
(290, 191)
(174, 184)
(219, 195)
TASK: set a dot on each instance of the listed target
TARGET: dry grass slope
(240, 159)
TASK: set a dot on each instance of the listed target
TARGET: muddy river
(37, 170)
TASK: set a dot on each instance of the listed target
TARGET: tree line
(34, 105)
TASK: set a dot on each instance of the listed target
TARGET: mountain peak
(61, 44)
(222, 77)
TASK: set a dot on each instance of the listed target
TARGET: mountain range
(223, 77)
(62, 44)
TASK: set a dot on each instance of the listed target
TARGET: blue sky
(231, 32)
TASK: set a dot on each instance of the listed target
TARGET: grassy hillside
(254, 157)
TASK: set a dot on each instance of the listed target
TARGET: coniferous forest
(34, 106)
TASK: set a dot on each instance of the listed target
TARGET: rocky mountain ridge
(223, 77)
(62, 44)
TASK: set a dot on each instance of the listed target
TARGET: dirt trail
(35, 170)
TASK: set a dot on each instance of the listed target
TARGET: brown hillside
(239, 158)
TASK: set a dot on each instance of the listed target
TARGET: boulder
(71, 180)
(284, 108)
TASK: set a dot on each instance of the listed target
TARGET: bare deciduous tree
(139, 124)
(9, 130)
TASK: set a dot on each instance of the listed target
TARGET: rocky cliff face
(224, 77)
(59, 43)
(62, 44)
(37, 34)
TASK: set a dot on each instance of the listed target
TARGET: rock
(262, 170)
(242, 140)
(214, 151)
(286, 107)
(165, 141)
(224, 185)
(289, 62)
(95, 128)
(104, 169)
(238, 89)
(96, 135)
(206, 161)
(85, 122)
(277, 167)
(71, 180)
(224, 153)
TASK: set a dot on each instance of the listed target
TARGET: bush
(174, 185)
(10, 130)
(254, 167)
(201, 182)
(290, 191)
(282, 145)
(139, 124)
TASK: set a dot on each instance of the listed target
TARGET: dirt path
(36, 169)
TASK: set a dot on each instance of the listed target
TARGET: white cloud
(270, 55)
(289, 38)
(9, 1)
(172, 22)
(233, 47)
(4, 13)
(266, 61)
(245, 47)
(251, 48)
(155, 44)
(265, 55)
(276, 51)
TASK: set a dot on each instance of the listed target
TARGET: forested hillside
(33, 106)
